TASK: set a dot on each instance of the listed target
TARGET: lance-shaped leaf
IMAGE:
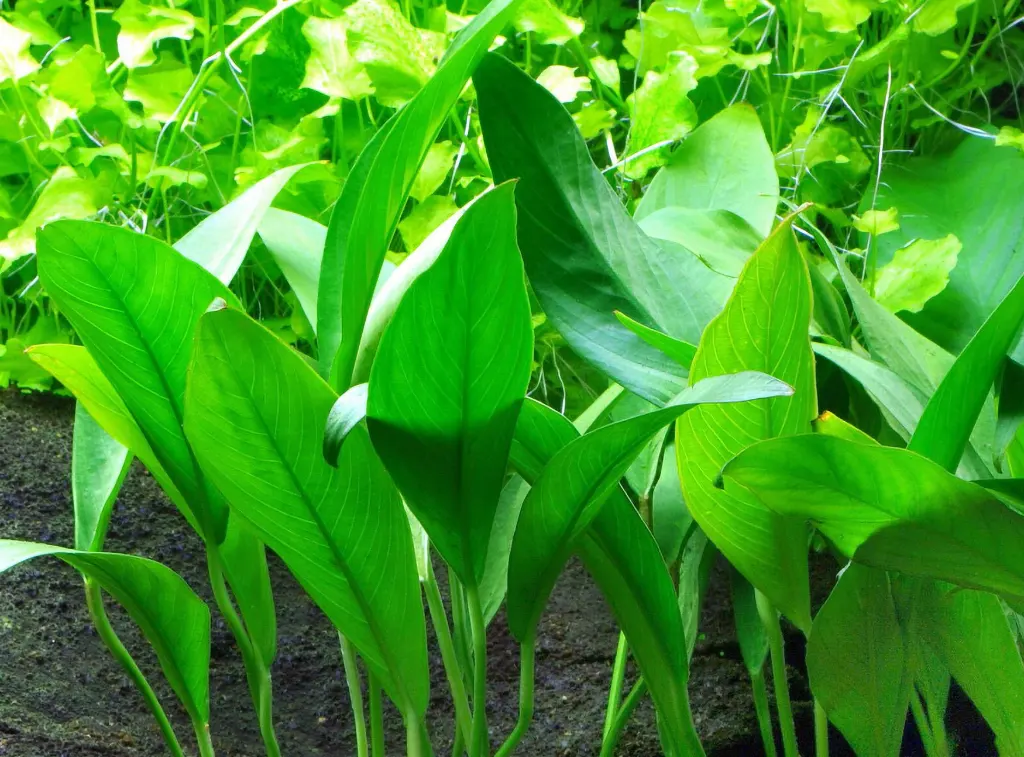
(949, 418)
(255, 415)
(586, 258)
(578, 480)
(880, 506)
(622, 555)
(448, 380)
(99, 464)
(173, 619)
(764, 327)
(135, 302)
(375, 193)
(857, 664)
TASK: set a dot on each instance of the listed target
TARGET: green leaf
(672, 520)
(877, 222)
(563, 83)
(660, 112)
(494, 582)
(579, 479)
(916, 273)
(567, 211)
(220, 241)
(297, 244)
(142, 26)
(944, 430)
(16, 62)
(435, 168)
(173, 619)
(721, 239)
(750, 630)
(450, 374)
(255, 416)
(142, 301)
(375, 193)
(680, 351)
(159, 88)
(331, 68)
(99, 465)
(975, 193)
(936, 17)
(726, 164)
(624, 559)
(696, 560)
(547, 23)
(972, 538)
(770, 551)
(842, 16)
(425, 218)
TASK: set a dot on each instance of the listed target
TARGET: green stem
(480, 743)
(463, 717)
(416, 743)
(255, 672)
(376, 719)
(109, 637)
(203, 737)
(611, 740)
(820, 730)
(94, 25)
(923, 726)
(763, 711)
(770, 618)
(526, 665)
(355, 693)
(618, 681)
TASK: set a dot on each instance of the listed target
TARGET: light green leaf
(175, 622)
(672, 520)
(375, 193)
(1010, 136)
(664, 29)
(721, 239)
(858, 668)
(938, 16)
(547, 23)
(435, 168)
(770, 551)
(169, 176)
(680, 351)
(594, 118)
(972, 538)
(331, 68)
(726, 164)
(841, 16)
(16, 62)
(81, 81)
(255, 416)
(607, 72)
(660, 111)
(916, 273)
(563, 83)
(494, 582)
(143, 25)
(450, 374)
(99, 465)
(159, 88)
(579, 479)
(425, 218)
(297, 244)
(877, 222)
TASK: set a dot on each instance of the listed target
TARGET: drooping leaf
(375, 193)
(450, 374)
(579, 479)
(99, 465)
(769, 550)
(726, 164)
(857, 664)
(255, 415)
(173, 619)
(878, 504)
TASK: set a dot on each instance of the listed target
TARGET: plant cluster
(846, 378)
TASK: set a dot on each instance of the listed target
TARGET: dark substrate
(61, 695)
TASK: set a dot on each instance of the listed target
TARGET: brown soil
(61, 695)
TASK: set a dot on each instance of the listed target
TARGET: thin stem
(109, 637)
(463, 717)
(203, 738)
(923, 726)
(610, 741)
(770, 618)
(355, 694)
(820, 730)
(763, 711)
(376, 719)
(480, 743)
(94, 25)
(618, 681)
(526, 665)
(255, 672)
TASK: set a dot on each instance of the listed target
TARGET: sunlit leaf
(143, 25)
(916, 273)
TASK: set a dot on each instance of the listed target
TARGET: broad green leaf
(220, 241)
(857, 663)
(726, 164)
(680, 351)
(770, 551)
(977, 194)
(546, 22)
(879, 505)
(660, 112)
(938, 16)
(721, 239)
(568, 212)
(331, 68)
(916, 273)
(16, 62)
(255, 415)
(494, 582)
(159, 88)
(945, 427)
(579, 479)
(448, 380)
(137, 320)
(143, 25)
(173, 619)
(98, 467)
(375, 193)
(624, 559)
